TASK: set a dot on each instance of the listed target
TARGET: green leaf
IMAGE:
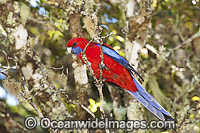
(33, 30)
(120, 38)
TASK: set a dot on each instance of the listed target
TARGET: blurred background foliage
(164, 58)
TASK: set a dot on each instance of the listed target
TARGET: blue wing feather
(116, 57)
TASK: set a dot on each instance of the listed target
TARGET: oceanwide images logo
(45, 123)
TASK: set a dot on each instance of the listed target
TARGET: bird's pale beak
(69, 49)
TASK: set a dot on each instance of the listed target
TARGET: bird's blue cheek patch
(76, 50)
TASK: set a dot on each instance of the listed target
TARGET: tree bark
(80, 73)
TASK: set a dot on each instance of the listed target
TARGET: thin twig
(36, 109)
(87, 46)
(29, 100)
(107, 35)
(98, 83)
(32, 104)
(6, 68)
(86, 109)
(57, 68)
(88, 64)
(75, 103)
(188, 40)
(100, 86)
(3, 72)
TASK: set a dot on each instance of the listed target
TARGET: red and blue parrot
(118, 71)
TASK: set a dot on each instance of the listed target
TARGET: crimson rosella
(118, 71)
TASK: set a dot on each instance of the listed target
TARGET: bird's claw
(103, 66)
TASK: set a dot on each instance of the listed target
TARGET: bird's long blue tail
(149, 102)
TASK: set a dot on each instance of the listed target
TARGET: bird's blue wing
(116, 57)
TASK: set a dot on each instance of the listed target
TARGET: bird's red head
(78, 42)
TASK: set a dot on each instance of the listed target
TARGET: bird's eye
(74, 44)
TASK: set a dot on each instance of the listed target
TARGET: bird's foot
(103, 66)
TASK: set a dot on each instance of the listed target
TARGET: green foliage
(93, 105)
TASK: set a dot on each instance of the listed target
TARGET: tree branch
(188, 40)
